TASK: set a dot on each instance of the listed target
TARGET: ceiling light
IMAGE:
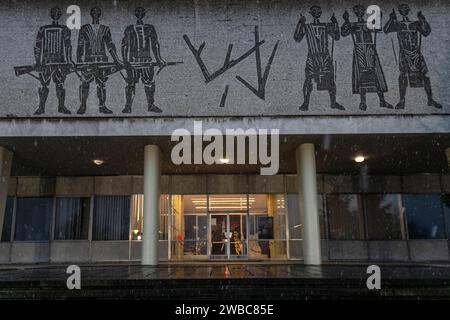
(98, 162)
(359, 159)
(224, 160)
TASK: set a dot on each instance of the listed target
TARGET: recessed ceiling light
(224, 160)
(359, 159)
(98, 162)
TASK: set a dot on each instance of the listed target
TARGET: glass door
(228, 236)
(219, 246)
(238, 236)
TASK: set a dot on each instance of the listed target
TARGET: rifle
(143, 65)
(107, 68)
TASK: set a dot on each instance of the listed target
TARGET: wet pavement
(221, 271)
(224, 281)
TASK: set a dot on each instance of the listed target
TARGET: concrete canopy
(72, 156)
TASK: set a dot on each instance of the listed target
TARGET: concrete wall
(102, 251)
(74, 251)
(181, 90)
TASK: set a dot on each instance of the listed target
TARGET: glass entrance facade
(237, 226)
(393, 220)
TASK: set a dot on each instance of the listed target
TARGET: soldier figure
(319, 64)
(367, 74)
(93, 41)
(413, 69)
(139, 41)
(53, 54)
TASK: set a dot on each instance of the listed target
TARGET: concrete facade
(182, 90)
(405, 148)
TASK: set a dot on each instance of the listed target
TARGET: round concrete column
(152, 175)
(307, 195)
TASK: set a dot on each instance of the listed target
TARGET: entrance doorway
(228, 236)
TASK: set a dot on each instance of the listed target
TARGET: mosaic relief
(138, 60)
(54, 60)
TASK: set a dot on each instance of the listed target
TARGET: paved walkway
(222, 271)
(225, 281)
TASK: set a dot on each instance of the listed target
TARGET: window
(446, 204)
(111, 218)
(384, 217)
(345, 217)
(7, 220)
(137, 212)
(195, 234)
(164, 208)
(293, 216)
(33, 219)
(424, 216)
(189, 228)
(293, 212)
(195, 226)
(72, 218)
(323, 230)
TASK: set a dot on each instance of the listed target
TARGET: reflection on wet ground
(222, 271)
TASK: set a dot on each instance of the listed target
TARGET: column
(5, 171)
(152, 176)
(307, 195)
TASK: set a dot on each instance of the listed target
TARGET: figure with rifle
(53, 55)
(139, 42)
(94, 41)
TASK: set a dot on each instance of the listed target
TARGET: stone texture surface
(110, 250)
(69, 251)
(266, 184)
(429, 250)
(74, 185)
(383, 184)
(342, 184)
(422, 183)
(291, 183)
(35, 186)
(30, 252)
(445, 183)
(388, 250)
(231, 184)
(5, 248)
(348, 250)
(12, 187)
(181, 90)
(188, 184)
(121, 185)
(165, 126)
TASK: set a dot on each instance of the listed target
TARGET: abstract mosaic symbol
(228, 63)
(262, 78)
